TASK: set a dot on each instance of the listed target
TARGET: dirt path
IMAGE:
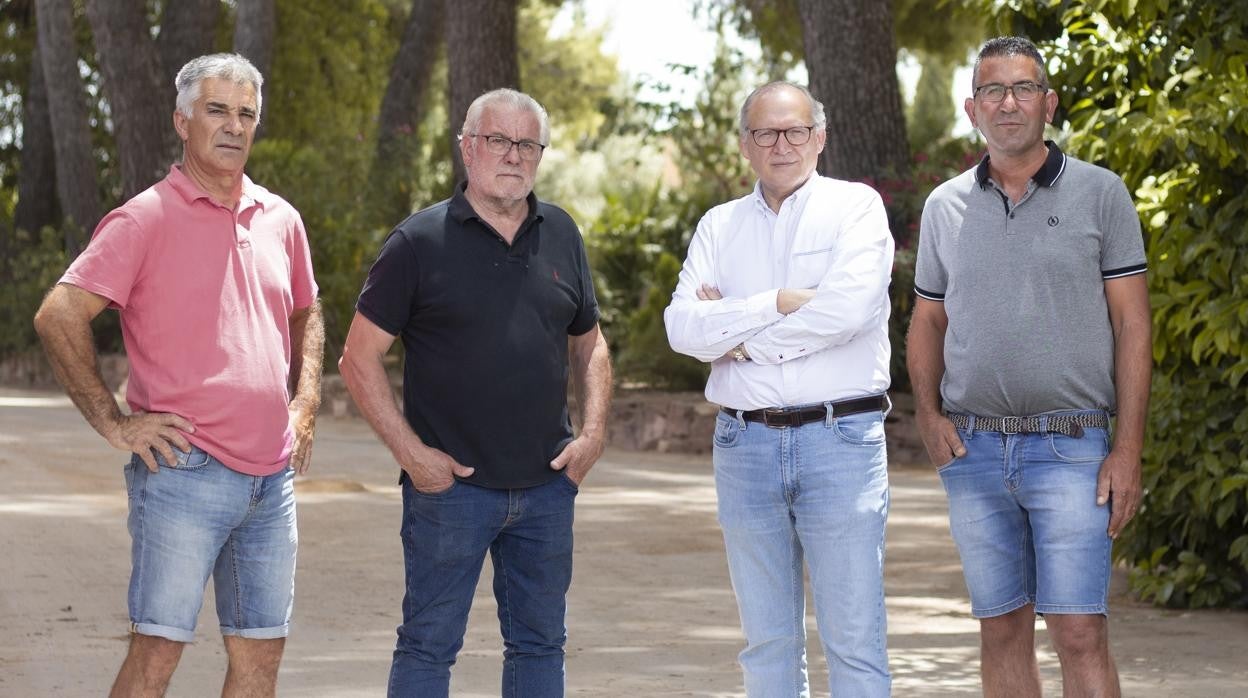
(651, 612)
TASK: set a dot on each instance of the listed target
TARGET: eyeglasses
(501, 145)
(1023, 91)
(767, 137)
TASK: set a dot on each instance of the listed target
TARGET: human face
(507, 178)
(216, 138)
(781, 168)
(1011, 128)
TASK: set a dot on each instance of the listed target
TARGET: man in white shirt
(785, 293)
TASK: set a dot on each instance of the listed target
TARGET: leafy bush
(42, 263)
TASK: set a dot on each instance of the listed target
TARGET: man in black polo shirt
(492, 295)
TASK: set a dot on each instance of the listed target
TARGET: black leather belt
(1069, 424)
(778, 417)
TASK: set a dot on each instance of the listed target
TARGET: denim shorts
(1023, 512)
(196, 517)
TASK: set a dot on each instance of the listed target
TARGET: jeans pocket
(1092, 446)
(946, 466)
(727, 431)
(865, 429)
(436, 493)
(195, 459)
(563, 474)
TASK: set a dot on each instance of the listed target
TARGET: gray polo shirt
(1024, 286)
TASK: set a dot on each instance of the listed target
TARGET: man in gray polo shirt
(1030, 329)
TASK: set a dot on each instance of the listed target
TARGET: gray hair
(1009, 46)
(506, 98)
(223, 66)
(816, 107)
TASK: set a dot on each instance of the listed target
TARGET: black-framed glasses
(767, 137)
(501, 145)
(1024, 91)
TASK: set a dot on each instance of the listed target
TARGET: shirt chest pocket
(808, 267)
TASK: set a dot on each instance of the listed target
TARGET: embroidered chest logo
(1053, 221)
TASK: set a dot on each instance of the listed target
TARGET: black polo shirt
(485, 329)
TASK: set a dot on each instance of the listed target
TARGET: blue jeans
(528, 533)
(1023, 512)
(817, 493)
(196, 517)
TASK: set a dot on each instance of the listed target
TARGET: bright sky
(648, 35)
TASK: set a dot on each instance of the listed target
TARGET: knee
(1015, 629)
(1077, 637)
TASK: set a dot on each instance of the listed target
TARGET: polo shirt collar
(461, 211)
(190, 191)
(1048, 174)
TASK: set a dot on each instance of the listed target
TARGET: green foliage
(568, 72)
(331, 61)
(1153, 92)
(777, 26)
(646, 221)
(931, 116)
(43, 261)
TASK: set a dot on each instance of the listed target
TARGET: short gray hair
(507, 98)
(223, 66)
(816, 107)
(1007, 47)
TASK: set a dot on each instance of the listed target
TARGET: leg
(764, 557)
(1072, 556)
(1008, 655)
(1082, 643)
(532, 572)
(994, 538)
(180, 517)
(841, 505)
(252, 671)
(254, 580)
(445, 538)
(148, 667)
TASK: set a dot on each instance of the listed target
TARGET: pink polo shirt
(206, 295)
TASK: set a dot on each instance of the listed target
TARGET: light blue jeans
(817, 493)
(1023, 511)
(196, 517)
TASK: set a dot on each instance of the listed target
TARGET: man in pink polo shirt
(213, 279)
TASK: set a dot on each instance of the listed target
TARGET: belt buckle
(783, 418)
(1011, 425)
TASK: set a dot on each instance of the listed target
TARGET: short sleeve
(391, 286)
(931, 278)
(111, 264)
(302, 281)
(1122, 242)
(587, 314)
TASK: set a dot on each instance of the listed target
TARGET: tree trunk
(403, 108)
(140, 105)
(255, 26)
(187, 29)
(36, 175)
(852, 64)
(255, 29)
(481, 56)
(76, 183)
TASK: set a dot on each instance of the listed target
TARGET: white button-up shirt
(831, 236)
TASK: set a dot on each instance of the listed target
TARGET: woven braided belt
(1069, 424)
